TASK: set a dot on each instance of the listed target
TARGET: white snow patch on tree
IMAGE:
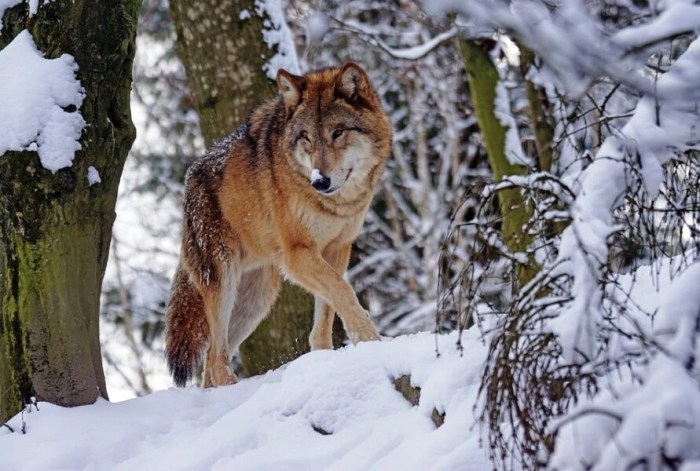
(502, 111)
(93, 176)
(35, 93)
(7, 4)
(278, 37)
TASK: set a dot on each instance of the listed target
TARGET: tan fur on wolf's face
(327, 136)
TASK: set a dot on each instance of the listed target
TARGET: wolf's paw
(221, 379)
(218, 373)
(363, 333)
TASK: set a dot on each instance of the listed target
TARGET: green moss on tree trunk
(274, 343)
(55, 229)
(483, 79)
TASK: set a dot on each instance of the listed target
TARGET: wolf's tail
(186, 329)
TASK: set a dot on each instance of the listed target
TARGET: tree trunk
(542, 128)
(483, 79)
(224, 57)
(55, 229)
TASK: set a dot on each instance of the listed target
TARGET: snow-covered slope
(326, 410)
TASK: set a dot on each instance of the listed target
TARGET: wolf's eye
(337, 133)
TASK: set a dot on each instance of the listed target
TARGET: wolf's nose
(321, 183)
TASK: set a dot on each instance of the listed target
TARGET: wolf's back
(186, 329)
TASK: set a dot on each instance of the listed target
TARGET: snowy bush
(621, 88)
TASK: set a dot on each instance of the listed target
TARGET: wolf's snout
(319, 181)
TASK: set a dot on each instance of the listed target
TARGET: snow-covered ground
(326, 410)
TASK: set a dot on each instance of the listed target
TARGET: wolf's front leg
(307, 268)
(321, 336)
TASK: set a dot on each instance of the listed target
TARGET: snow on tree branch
(655, 133)
(585, 49)
(679, 18)
(40, 98)
(651, 423)
(409, 53)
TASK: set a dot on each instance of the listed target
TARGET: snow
(679, 16)
(416, 52)
(317, 26)
(502, 111)
(277, 36)
(93, 176)
(37, 96)
(316, 175)
(568, 26)
(326, 410)
(655, 132)
(244, 14)
(634, 422)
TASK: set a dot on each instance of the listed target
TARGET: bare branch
(412, 53)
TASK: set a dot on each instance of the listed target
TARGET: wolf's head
(337, 133)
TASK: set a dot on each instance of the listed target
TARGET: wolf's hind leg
(217, 369)
(256, 295)
(219, 300)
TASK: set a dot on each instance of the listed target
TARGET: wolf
(284, 195)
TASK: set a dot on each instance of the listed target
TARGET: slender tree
(223, 50)
(55, 228)
(483, 79)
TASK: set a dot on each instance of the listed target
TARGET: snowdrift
(326, 410)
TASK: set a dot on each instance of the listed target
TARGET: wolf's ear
(352, 82)
(290, 87)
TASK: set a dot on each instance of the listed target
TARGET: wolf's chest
(326, 228)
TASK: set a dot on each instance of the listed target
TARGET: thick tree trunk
(224, 57)
(55, 229)
(223, 51)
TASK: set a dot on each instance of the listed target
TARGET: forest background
(544, 177)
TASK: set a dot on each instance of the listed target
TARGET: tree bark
(483, 79)
(540, 121)
(224, 57)
(55, 229)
